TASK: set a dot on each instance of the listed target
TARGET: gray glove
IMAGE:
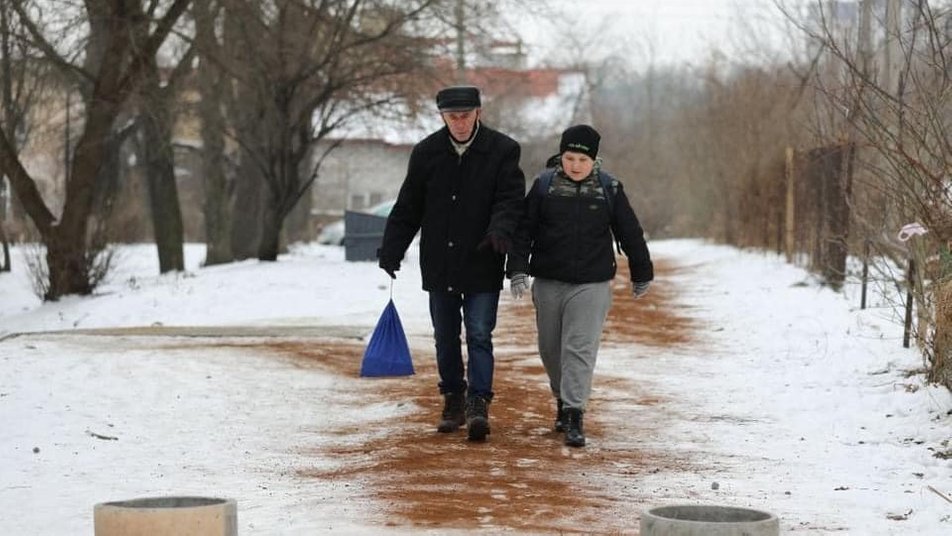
(639, 289)
(518, 284)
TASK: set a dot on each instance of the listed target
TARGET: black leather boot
(574, 435)
(454, 415)
(477, 418)
(559, 416)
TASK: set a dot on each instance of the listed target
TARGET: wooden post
(907, 325)
(790, 223)
(862, 295)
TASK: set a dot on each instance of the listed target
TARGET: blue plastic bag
(387, 354)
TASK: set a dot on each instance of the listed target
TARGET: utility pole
(460, 22)
(865, 45)
(893, 51)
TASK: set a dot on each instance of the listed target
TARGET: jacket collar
(480, 143)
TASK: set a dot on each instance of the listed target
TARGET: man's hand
(518, 285)
(389, 267)
(639, 289)
(500, 244)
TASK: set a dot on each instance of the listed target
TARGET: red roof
(495, 81)
(525, 83)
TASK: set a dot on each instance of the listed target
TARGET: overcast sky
(666, 31)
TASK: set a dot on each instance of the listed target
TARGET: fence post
(790, 222)
(862, 295)
(907, 325)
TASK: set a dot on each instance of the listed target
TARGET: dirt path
(522, 479)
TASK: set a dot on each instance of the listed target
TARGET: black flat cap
(458, 98)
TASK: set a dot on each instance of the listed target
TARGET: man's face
(461, 124)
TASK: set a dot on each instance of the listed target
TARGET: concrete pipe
(698, 520)
(167, 516)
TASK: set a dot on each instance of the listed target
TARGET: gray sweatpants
(569, 318)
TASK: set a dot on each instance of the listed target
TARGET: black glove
(500, 244)
(389, 267)
(639, 288)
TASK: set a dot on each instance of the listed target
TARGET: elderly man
(463, 191)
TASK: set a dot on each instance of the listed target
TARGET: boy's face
(577, 165)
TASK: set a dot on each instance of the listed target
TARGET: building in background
(366, 162)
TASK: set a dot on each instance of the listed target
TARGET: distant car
(333, 233)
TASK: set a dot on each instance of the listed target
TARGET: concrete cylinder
(167, 516)
(699, 520)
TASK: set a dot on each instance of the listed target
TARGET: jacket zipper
(578, 234)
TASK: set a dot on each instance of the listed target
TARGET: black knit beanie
(580, 139)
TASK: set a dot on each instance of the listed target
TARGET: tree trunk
(271, 223)
(163, 195)
(156, 121)
(67, 263)
(246, 216)
(243, 115)
(107, 187)
(5, 267)
(163, 192)
(217, 202)
(298, 226)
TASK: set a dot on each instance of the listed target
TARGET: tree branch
(80, 75)
(24, 186)
(139, 62)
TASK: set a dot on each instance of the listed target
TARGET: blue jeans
(479, 315)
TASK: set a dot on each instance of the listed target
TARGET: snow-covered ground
(793, 400)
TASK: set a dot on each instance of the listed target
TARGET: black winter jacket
(455, 202)
(566, 233)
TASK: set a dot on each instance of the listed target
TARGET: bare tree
(891, 92)
(468, 30)
(12, 115)
(21, 77)
(124, 60)
(157, 96)
(304, 70)
(212, 79)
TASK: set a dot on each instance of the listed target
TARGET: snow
(794, 401)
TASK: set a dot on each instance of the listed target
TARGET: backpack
(608, 187)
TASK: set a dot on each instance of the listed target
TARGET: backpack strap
(545, 181)
(610, 188)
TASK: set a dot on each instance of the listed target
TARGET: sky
(792, 400)
(649, 31)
